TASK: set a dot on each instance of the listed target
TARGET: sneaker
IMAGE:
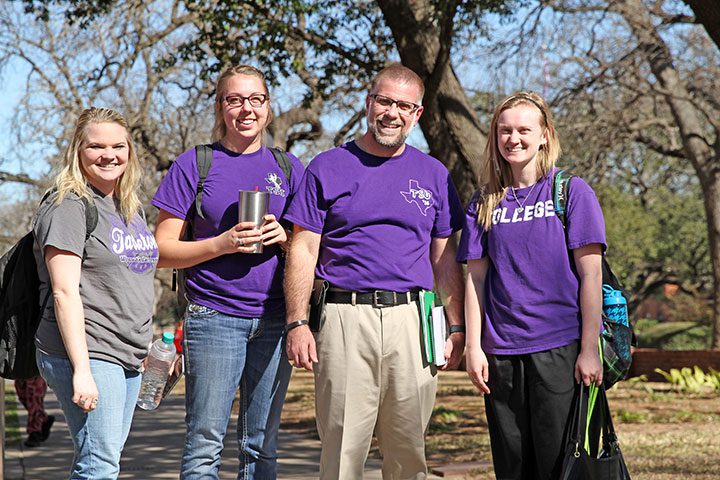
(47, 424)
(34, 439)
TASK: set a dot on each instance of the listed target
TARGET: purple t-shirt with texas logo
(243, 285)
(531, 292)
(377, 216)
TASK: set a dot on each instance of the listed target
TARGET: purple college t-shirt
(377, 216)
(240, 284)
(532, 294)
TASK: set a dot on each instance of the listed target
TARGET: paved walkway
(154, 448)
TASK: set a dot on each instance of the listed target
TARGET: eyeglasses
(405, 108)
(256, 100)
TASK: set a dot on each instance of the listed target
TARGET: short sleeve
(297, 170)
(585, 223)
(61, 225)
(473, 239)
(449, 218)
(308, 208)
(176, 192)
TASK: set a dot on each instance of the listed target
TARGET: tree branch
(20, 178)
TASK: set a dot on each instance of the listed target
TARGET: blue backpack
(617, 338)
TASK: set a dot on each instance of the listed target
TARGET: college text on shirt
(526, 214)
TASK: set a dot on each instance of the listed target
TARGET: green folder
(427, 301)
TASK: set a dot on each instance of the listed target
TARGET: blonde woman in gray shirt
(95, 329)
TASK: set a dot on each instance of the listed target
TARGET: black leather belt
(378, 298)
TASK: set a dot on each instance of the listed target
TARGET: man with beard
(374, 218)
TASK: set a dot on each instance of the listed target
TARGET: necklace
(521, 206)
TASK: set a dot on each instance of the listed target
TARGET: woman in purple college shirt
(533, 320)
(234, 323)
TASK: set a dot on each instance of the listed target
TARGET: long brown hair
(496, 172)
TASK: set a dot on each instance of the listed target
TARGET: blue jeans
(223, 352)
(98, 436)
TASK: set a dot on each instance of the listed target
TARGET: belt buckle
(377, 303)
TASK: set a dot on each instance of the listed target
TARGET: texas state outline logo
(275, 187)
(421, 197)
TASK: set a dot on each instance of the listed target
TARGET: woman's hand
(272, 231)
(588, 367)
(85, 392)
(476, 364)
(239, 239)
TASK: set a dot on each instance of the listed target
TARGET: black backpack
(20, 308)
(616, 338)
(203, 156)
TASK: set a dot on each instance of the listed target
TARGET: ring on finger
(94, 402)
(81, 402)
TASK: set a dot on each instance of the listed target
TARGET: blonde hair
(496, 171)
(72, 175)
(399, 73)
(219, 128)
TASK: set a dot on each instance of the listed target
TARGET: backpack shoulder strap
(560, 189)
(282, 159)
(91, 216)
(203, 156)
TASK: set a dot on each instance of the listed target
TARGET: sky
(11, 85)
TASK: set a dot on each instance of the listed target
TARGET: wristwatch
(295, 324)
(456, 329)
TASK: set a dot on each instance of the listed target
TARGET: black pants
(528, 410)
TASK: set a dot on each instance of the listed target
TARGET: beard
(393, 140)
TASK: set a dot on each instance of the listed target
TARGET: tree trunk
(449, 122)
(693, 132)
(711, 189)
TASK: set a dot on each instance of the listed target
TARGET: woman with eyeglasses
(234, 323)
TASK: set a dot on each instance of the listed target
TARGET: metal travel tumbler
(252, 206)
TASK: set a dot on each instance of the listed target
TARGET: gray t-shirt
(116, 279)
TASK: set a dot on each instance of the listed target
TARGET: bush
(672, 335)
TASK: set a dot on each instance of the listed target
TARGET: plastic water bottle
(162, 354)
(615, 305)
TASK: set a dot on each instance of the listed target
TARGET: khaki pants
(371, 377)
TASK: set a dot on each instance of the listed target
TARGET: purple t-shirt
(376, 216)
(244, 285)
(532, 300)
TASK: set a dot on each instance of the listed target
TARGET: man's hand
(454, 346)
(300, 347)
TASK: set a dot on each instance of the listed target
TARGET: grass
(664, 434)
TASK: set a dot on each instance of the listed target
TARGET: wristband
(295, 324)
(456, 329)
